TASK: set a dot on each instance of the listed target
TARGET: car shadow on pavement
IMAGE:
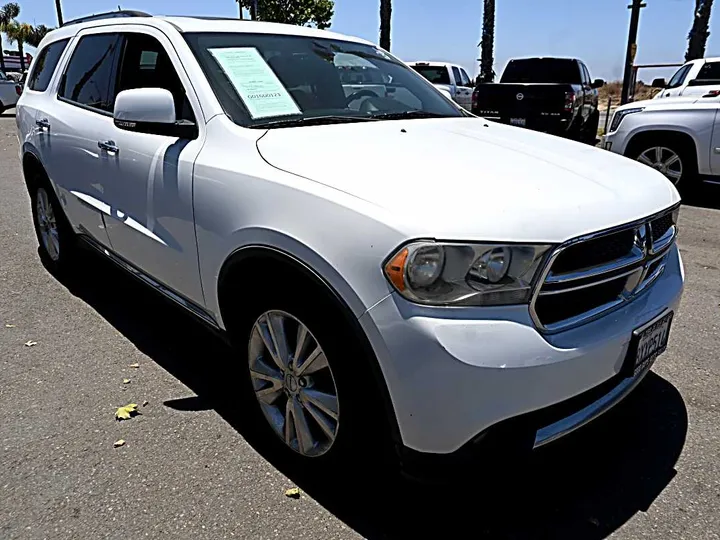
(584, 486)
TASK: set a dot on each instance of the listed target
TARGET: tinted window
(456, 76)
(434, 74)
(45, 65)
(586, 74)
(465, 78)
(90, 76)
(679, 76)
(710, 70)
(542, 70)
(145, 64)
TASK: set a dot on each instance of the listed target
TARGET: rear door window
(434, 74)
(465, 78)
(89, 79)
(710, 71)
(456, 76)
(45, 65)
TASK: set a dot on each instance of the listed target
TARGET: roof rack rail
(109, 15)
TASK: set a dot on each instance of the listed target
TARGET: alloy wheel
(665, 160)
(47, 223)
(293, 383)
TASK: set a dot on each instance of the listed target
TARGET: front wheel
(672, 158)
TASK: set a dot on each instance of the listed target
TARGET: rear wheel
(56, 239)
(590, 128)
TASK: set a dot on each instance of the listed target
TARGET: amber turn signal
(395, 269)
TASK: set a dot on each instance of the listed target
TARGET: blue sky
(594, 30)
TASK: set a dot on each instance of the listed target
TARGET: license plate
(647, 343)
(518, 121)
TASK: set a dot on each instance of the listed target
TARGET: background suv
(366, 304)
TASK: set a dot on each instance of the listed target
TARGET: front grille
(588, 277)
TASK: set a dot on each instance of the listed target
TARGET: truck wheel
(671, 156)
(56, 239)
(590, 128)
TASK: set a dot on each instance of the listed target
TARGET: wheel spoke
(644, 159)
(322, 420)
(658, 155)
(302, 430)
(314, 362)
(327, 403)
(675, 175)
(302, 341)
(673, 159)
(276, 327)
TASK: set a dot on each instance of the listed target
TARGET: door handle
(43, 123)
(108, 146)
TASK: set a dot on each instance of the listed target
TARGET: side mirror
(150, 110)
(597, 83)
(659, 83)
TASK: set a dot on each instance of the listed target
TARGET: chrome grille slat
(564, 300)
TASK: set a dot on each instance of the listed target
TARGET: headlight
(465, 274)
(619, 115)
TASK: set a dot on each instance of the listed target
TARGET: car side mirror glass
(597, 83)
(150, 110)
(659, 83)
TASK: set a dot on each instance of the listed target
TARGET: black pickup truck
(554, 95)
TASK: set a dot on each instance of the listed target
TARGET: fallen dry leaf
(121, 442)
(9, 326)
(135, 365)
(30, 343)
(126, 412)
(293, 493)
(126, 381)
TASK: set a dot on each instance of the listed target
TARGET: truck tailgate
(520, 100)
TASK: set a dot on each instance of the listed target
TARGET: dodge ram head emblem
(520, 97)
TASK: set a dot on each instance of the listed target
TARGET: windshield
(267, 80)
(434, 74)
(542, 70)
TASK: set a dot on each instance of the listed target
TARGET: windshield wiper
(408, 114)
(310, 121)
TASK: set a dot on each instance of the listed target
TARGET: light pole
(636, 6)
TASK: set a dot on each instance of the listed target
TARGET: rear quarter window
(434, 74)
(45, 65)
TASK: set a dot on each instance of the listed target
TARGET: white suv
(225, 164)
(680, 137)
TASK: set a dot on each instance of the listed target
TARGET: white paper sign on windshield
(256, 84)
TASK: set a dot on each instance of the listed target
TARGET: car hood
(663, 103)
(467, 178)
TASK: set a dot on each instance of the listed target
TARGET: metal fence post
(607, 114)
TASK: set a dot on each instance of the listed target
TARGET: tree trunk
(22, 55)
(385, 16)
(254, 10)
(699, 33)
(2, 56)
(487, 42)
(58, 9)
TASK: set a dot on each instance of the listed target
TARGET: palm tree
(385, 16)
(38, 33)
(8, 13)
(699, 33)
(58, 9)
(487, 43)
(19, 32)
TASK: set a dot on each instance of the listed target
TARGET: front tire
(56, 239)
(590, 129)
(311, 388)
(672, 157)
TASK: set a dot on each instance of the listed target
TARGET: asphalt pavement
(192, 466)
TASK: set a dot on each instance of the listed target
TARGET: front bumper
(454, 373)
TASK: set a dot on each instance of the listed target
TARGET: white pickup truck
(450, 78)
(695, 78)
